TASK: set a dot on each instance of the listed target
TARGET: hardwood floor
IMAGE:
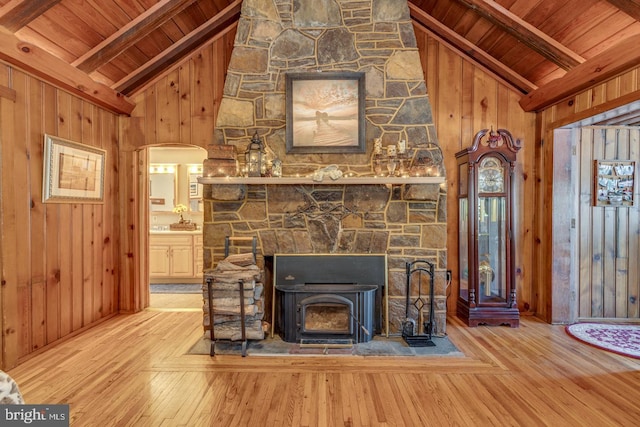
(171, 301)
(133, 370)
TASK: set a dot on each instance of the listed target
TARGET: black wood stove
(324, 298)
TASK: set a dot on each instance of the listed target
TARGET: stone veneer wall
(407, 222)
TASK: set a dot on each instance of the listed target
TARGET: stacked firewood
(225, 292)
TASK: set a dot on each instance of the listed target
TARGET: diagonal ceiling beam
(130, 34)
(18, 13)
(525, 33)
(187, 44)
(604, 66)
(469, 49)
(630, 7)
(54, 70)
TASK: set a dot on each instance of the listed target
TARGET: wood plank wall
(554, 303)
(608, 259)
(466, 98)
(180, 108)
(59, 261)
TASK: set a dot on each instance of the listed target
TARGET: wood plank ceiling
(106, 50)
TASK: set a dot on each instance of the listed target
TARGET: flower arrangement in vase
(180, 209)
(182, 224)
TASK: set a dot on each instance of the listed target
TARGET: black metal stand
(209, 280)
(417, 268)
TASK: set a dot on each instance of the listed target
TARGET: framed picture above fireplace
(325, 112)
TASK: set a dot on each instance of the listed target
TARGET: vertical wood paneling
(202, 97)
(150, 134)
(128, 260)
(563, 165)
(610, 235)
(4, 80)
(597, 229)
(168, 108)
(585, 222)
(11, 320)
(633, 303)
(608, 246)
(465, 99)
(51, 270)
(180, 107)
(621, 263)
(611, 94)
(185, 124)
(38, 242)
(63, 120)
(77, 280)
(448, 114)
(22, 206)
(110, 239)
(54, 303)
(628, 82)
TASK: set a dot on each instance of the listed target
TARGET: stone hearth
(407, 222)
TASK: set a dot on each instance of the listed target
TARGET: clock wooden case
(487, 293)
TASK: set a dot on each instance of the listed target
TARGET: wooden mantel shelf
(360, 180)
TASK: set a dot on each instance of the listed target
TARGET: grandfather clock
(487, 293)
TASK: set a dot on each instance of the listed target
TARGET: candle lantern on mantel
(255, 156)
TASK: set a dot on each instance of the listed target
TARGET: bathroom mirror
(162, 187)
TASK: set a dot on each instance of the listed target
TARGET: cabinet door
(181, 261)
(158, 260)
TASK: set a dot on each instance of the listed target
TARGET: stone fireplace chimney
(405, 221)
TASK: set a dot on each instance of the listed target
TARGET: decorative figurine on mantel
(393, 156)
(276, 168)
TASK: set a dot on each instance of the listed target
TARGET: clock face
(491, 176)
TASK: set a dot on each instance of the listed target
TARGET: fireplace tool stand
(416, 270)
(209, 280)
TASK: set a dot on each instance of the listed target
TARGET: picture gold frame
(72, 172)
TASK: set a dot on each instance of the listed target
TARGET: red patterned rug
(621, 339)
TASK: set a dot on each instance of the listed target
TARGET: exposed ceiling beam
(619, 58)
(130, 34)
(187, 44)
(18, 13)
(525, 33)
(626, 119)
(469, 49)
(42, 64)
(630, 7)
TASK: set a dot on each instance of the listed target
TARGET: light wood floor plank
(134, 370)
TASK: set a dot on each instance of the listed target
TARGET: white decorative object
(402, 146)
(332, 171)
(377, 146)
(276, 168)
(391, 150)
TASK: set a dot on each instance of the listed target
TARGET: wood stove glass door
(326, 314)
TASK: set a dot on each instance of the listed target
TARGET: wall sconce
(255, 157)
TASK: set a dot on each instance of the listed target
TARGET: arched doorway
(171, 273)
